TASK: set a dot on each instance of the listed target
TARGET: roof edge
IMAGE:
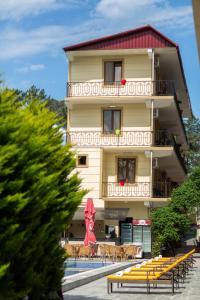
(136, 30)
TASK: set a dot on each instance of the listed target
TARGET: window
(126, 169)
(111, 120)
(112, 72)
(82, 161)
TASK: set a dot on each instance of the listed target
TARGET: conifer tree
(39, 194)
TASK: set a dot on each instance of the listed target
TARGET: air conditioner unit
(156, 61)
(155, 113)
(155, 163)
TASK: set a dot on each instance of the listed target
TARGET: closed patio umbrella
(89, 222)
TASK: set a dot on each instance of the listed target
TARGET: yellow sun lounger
(151, 273)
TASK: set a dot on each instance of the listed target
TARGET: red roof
(142, 37)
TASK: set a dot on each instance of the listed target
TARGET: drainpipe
(152, 65)
(152, 119)
(151, 172)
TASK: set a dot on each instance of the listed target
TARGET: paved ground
(97, 290)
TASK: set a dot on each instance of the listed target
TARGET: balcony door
(111, 120)
(126, 170)
(112, 72)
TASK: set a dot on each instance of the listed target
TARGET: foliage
(168, 224)
(172, 221)
(186, 197)
(38, 196)
(156, 246)
(193, 135)
(53, 105)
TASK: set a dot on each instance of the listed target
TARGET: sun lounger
(154, 272)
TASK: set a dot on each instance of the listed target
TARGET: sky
(33, 33)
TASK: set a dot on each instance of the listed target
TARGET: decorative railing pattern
(162, 137)
(131, 88)
(137, 189)
(97, 138)
(125, 138)
(163, 189)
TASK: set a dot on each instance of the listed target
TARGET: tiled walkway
(97, 290)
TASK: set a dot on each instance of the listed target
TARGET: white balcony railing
(133, 190)
(138, 189)
(130, 88)
(98, 139)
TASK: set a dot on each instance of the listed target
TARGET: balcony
(99, 139)
(120, 138)
(137, 190)
(130, 88)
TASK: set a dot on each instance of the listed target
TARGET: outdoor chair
(85, 251)
(130, 251)
(119, 253)
(70, 249)
(94, 249)
(102, 249)
(110, 251)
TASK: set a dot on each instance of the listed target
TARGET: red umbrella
(89, 223)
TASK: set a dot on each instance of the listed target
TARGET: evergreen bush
(39, 194)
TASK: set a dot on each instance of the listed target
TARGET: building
(196, 13)
(126, 98)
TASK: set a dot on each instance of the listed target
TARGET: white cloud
(18, 43)
(17, 9)
(36, 67)
(140, 12)
(109, 16)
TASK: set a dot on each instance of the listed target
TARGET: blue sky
(33, 33)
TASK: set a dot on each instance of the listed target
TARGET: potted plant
(123, 81)
(118, 131)
(121, 182)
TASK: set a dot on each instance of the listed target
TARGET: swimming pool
(78, 266)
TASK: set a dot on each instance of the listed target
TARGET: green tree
(168, 225)
(39, 194)
(172, 221)
(193, 135)
(53, 105)
(186, 197)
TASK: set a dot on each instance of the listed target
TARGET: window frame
(77, 161)
(112, 110)
(134, 174)
(114, 61)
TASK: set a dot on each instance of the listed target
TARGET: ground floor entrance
(118, 223)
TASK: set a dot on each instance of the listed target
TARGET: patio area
(97, 290)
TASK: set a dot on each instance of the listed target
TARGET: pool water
(77, 266)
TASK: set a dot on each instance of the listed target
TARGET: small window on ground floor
(82, 161)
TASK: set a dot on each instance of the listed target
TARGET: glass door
(137, 234)
(146, 239)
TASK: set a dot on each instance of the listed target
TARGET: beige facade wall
(91, 175)
(135, 67)
(89, 117)
(110, 166)
(137, 210)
